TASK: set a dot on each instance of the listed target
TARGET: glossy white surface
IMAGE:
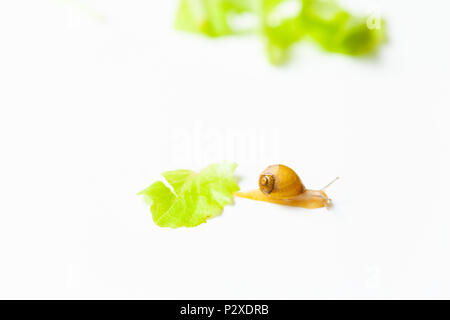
(96, 100)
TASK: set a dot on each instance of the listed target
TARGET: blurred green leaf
(282, 23)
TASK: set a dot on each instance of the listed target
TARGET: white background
(97, 98)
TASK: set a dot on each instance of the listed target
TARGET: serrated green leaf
(195, 198)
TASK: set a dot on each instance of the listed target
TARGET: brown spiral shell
(280, 181)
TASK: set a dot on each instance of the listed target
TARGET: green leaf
(195, 198)
(211, 17)
(283, 23)
(336, 30)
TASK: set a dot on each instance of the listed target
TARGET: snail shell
(280, 181)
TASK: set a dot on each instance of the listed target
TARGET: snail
(281, 185)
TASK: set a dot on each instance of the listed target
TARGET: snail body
(281, 185)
